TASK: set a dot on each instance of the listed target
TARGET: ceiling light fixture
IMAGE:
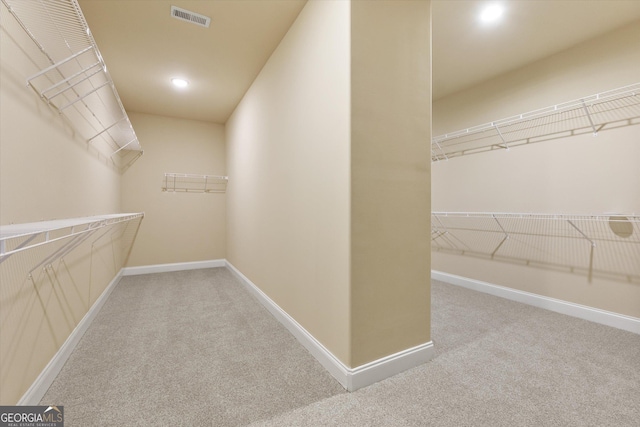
(181, 83)
(491, 13)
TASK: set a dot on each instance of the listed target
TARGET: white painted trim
(620, 321)
(179, 266)
(350, 378)
(317, 350)
(39, 387)
(389, 366)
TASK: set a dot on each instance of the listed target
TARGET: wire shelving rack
(76, 83)
(192, 183)
(68, 233)
(592, 114)
(606, 246)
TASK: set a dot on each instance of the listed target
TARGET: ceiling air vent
(187, 15)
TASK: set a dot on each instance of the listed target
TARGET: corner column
(390, 182)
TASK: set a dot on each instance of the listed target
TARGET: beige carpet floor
(194, 348)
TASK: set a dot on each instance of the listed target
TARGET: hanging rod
(610, 109)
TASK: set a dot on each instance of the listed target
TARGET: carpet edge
(592, 314)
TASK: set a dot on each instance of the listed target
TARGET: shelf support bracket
(71, 86)
(586, 110)
(593, 245)
(580, 231)
(438, 233)
(501, 227)
(441, 150)
(448, 240)
(447, 232)
(499, 245)
(124, 146)
(506, 146)
(58, 64)
(506, 236)
(68, 79)
(106, 129)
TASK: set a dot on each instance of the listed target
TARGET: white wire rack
(594, 245)
(192, 183)
(72, 232)
(606, 110)
(51, 274)
(76, 83)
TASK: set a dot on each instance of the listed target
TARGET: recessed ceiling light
(177, 82)
(491, 13)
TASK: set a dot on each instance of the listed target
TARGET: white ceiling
(144, 47)
(466, 52)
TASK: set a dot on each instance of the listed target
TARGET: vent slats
(188, 16)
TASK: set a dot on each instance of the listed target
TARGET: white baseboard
(619, 321)
(350, 378)
(389, 366)
(178, 266)
(40, 386)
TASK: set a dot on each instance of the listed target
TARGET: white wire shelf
(76, 83)
(592, 114)
(22, 237)
(192, 183)
(606, 246)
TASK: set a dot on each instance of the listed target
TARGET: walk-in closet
(216, 212)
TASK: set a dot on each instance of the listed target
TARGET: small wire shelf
(192, 183)
(76, 83)
(606, 246)
(592, 114)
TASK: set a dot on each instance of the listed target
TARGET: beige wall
(581, 174)
(46, 172)
(390, 177)
(178, 226)
(601, 64)
(329, 177)
(288, 162)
